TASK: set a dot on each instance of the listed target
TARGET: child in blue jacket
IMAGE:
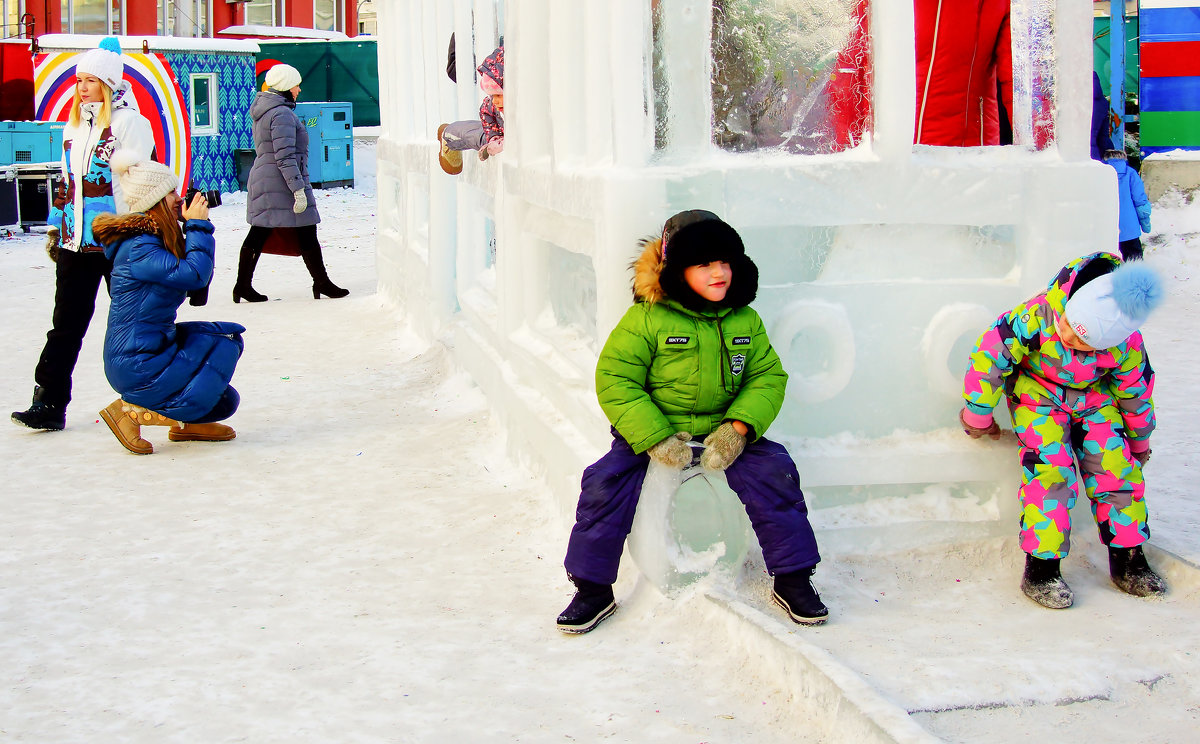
(1134, 204)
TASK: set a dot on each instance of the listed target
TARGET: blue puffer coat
(177, 369)
(1135, 205)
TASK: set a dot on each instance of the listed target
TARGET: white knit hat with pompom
(103, 62)
(144, 182)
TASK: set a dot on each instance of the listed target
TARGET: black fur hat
(696, 237)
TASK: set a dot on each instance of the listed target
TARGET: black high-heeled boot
(242, 290)
(321, 282)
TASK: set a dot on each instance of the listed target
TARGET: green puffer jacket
(666, 368)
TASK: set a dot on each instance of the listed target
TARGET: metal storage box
(330, 143)
(35, 191)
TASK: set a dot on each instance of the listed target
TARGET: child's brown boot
(1043, 583)
(450, 160)
(1132, 574)
(201, 433)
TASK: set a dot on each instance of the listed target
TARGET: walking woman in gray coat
(279, 192)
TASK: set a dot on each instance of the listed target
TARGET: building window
(104, 17)
(184, 17)
(206, 115)
(12, 16)
(327, 15)
(260, 12)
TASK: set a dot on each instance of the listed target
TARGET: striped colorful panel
(1170, 128)
(1170, 58)
(1169, 24)
(1170, 94)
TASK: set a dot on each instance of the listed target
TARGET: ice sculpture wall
(880, 264)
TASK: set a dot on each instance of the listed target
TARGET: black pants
(1131, 250)
(77, 279)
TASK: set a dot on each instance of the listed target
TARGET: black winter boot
(42, 415)
(1043, 583)
(247, 261)
(797, 596)
(316, 268)
(591, 604)
(1132, 574)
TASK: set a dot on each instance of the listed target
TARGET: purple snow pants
(764, 478)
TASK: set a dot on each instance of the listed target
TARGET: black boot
(1043, 583)
(42, 415)
(1132, 574)
(316, 268)
(247, 260)
(591, 604)
(797, 596)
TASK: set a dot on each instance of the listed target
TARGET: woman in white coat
(104, 119)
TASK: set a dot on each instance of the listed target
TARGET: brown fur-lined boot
(126, 421)
(201, 433)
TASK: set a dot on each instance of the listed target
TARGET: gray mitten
(673, 451)
(301, 201)
(53, 243)
(722, 447)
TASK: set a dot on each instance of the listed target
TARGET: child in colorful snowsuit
(1134, 206)
(691, 359)
(485, 135)
(1073, 367)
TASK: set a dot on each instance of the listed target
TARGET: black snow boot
(42, 415)
(322, 285)
(247, 261)
(797, 596)
(1132, 574)
(591, 604)
(1044, 584)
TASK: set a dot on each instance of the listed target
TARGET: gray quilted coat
(280, 165)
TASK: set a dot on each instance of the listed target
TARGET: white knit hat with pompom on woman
(144, 182)
(103, 63)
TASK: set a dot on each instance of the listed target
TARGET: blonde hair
(105, 116)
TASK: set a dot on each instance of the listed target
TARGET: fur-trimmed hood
(112, 229)
(658, 277)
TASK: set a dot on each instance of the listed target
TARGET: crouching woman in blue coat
(167, 373)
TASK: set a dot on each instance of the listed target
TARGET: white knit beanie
(282, 77)
(144, 183)
(104, 62)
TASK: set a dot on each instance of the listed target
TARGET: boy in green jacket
(691, 359)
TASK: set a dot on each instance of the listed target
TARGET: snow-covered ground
(363, 565)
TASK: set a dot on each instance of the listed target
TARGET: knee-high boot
(242, 290)
(316, 267)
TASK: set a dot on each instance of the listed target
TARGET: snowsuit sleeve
(1132, 386)
(763, 387)
(490, 118)
(621, 375)
(1141, 202)
(997, 354)
(151, 262)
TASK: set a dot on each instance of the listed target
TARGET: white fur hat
(104, 62)
(144, 183)
(282, 77)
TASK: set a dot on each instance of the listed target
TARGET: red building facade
(200, 18)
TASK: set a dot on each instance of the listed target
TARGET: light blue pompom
(1137, 290)
(111, 44)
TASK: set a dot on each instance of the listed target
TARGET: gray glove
(53, 243)
(301, 201)
(1142, 457)
(722, 447)
(673, 451)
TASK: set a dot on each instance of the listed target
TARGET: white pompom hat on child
(282, 77)
(144, 183)
(104, 62)
(1108, 309)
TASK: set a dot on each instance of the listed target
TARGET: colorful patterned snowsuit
(1068, 407)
